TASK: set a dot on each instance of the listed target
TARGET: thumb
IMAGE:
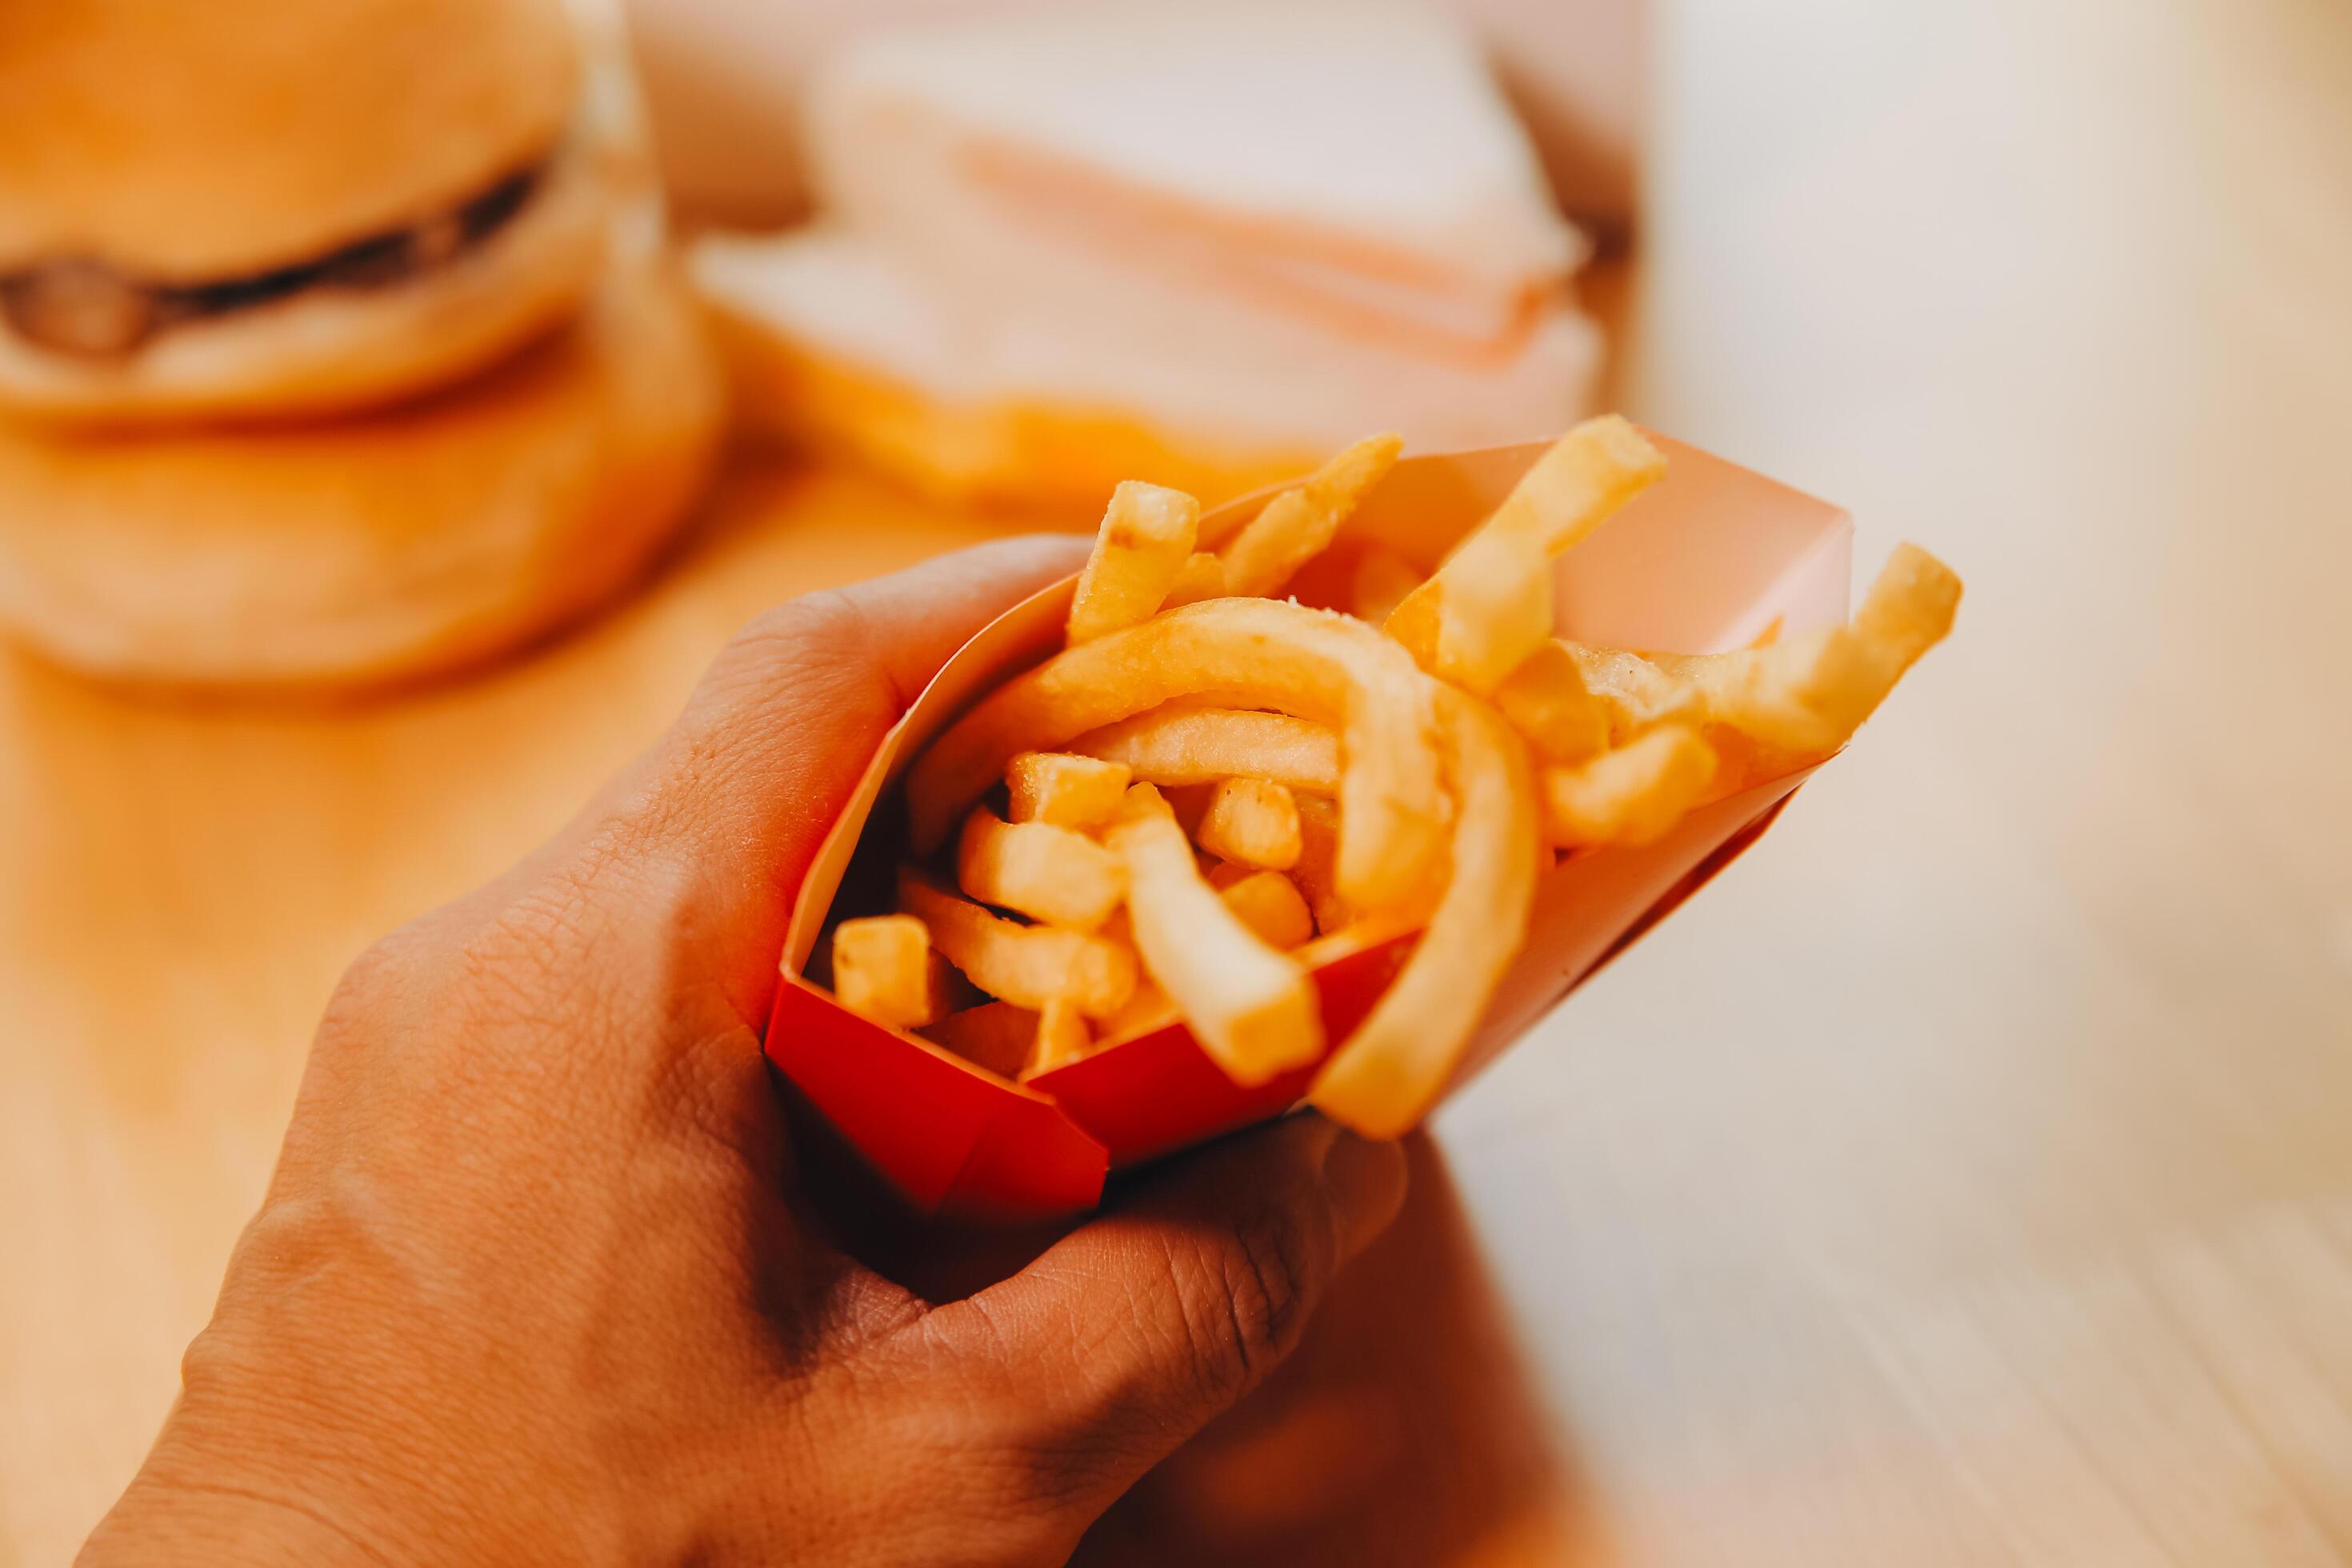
(722, 817)
(1135, 1330)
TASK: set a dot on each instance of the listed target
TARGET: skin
(538, 1276)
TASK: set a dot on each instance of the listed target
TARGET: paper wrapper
(1712, 557)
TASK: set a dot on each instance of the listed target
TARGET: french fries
(1494, 610)
(1803, 693)
(1202, 576)
(1063, 1038)
(1581, 483)
(1064, 790)
(1207, 791)
(1796, 698)
(1387, 1074)
(1052, 874)
(1910, 607)
(884, 970)
(1293, 527)
(1184, 745)
(1794, 702)
(1147, 1010)
(1631, 796)
(1312, 663)
(1145, 539)
(1316, 869)
(1253, 1010)
(1545, 699)
(1252, 822)
(1026, 965)
(1634, 695)
(1269, 903)
(1489, 605)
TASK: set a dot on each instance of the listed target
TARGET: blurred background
(1963, 1179)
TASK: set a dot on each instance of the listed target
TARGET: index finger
(734, 800)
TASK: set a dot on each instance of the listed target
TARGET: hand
(534, 1280)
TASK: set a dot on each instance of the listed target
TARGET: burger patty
(84, 307)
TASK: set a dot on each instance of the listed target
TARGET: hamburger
(337, 339)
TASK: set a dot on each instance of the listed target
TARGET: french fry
(1910, 608)
(997, 1035)
(1064, 790)
(1048, 873)
(1785, 706)
(1634, 695)
(1496, 609)
(1380, 583)
(1495, 614)
(1489, 603)
(1146, 535)
(1911, 605)
(1147, 1010)
(1063, 1038)
(1316, 871)
(1179, 744)
(1386, 1075)
(1803, 694)
(1581, 482)
(1202, 576)
(1546, 702)
(1293, 527)
(1253, 1010)
(1252, 821)
(1742, 761)
(1630, 796)
(1268, 902)
(1027, 966)
(1309, 662)
(883, 970)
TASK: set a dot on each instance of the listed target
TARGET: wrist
(235, 1480)
(189, 1519)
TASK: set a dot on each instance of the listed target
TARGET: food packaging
(1712, 557)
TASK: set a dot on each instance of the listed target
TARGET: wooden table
(1966, 1178)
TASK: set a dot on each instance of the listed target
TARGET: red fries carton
(1712, 557)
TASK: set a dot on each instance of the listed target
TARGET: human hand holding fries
(538, 1277)
(1413, 767)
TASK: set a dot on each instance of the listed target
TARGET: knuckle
(1024, 1455)
(1060, 1472)
(816, 629)
(1014, 1483)
(1043, 1467)
(819, 655)
(209, 1362)
(377, 974)
(1249, 1306)
(377, 983)
(525, 959)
